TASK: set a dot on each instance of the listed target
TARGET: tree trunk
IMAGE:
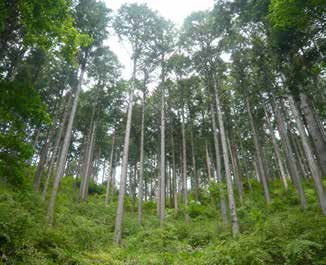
(162, 158)
(301, 158)
(86, 164)
(293, 170)
(315, 132)
(245, 161)
(43, 158)
(236, 173)
(174, 176)
(141, 169)
(232, 206)
(277, 150)
(91, 162)
(107, 194)
(65, 147)
(123, 177)
(315, 172)
(259, 154)
(184, 161)
(56, 147)
(218, 167)
(208, 164)
(194, 168)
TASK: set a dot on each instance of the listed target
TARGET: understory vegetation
(128, 139)
(281, 233)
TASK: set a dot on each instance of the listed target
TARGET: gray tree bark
(56, 147)
(315, 172)
(259, 154)
(236, 172)
(141, 160)
(108, 183)
(65, 146)
(291, 163)
(123, 176)
(218, 166)
(277, 150)
(315, 132)
(232, 206)
(194, 168)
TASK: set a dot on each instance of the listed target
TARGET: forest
(212, 151)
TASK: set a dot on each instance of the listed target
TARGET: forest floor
(281, 233)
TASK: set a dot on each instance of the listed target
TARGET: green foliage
(49, 23)
(20, 107)
(300, 252)
(295, 14)
(83, 232)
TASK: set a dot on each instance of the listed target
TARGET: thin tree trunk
(218, 167)
(141, 169)
(133, 179)
(90, 164)
(104, 171)
(208, 164)
(162, 167)
(293, 170)
(238, 181)
(184, 161)
(315, 172)
(232, 206)
(123, 177)
(107, 194)
(194, 168)
(88, 159)
(43, 158)
(56, 147)
(277, 150)
(65, 147)
(245, 161)
(259, 154)
(174, 176)
(315, 132)
(299, 155)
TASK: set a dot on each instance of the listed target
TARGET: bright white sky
(175, 10)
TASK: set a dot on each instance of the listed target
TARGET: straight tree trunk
(245, 161)
(238, 181)
(301, 161)
(259, 155)
(65, 147)
(86, 167)
(315, 172)
(302, 155)
(123, 177)
(90, 164)
(43, 158)
(208, 164)
(141, 169)
(133, 180)
(174, 176)
(162, 158)
(218, 166)
(107, 194)
(315, 132)
(194, 168)
(232, 206)
(184, 162)
(56, 147)
(277, 150)
(293, 170)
